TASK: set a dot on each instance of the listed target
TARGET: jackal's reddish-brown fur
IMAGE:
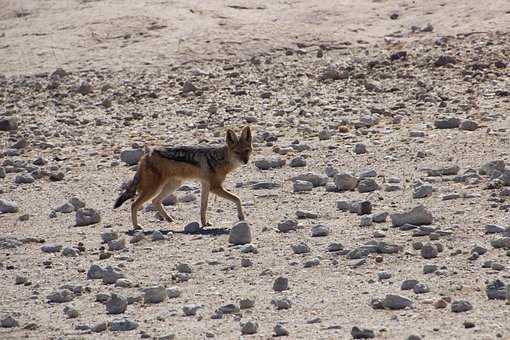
(162, 170)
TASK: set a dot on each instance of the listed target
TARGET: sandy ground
(246, 65)
(42, 35)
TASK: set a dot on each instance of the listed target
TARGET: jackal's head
(240, 147)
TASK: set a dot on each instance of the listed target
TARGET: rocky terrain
(377, 198)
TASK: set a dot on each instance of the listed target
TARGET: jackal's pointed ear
(246, 134)
(231, 138)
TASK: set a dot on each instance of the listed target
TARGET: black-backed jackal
(162, 170)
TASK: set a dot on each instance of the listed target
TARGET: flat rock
(417, 216)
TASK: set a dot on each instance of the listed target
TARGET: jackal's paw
(169, 219)
(206, 224)
(241, 217)
(138, 227)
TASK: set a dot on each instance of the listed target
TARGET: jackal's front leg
(204, 198)
(231, 197)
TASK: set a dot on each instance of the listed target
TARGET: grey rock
(366, 221)
(494, 229)
(335, 246)
(71, 312)
(319, 231)
(468, 125)
(108, 236)
(65, 208)
(229, 308)
(301, 214)
(491, 166)
(246, 303)
(460, 306)
(137, 237)
(269, 163)
(240, 234)
(154, 294)
(359, 253)
(265, 185)
(330, 171)
(173, 292)
(51, 248)
(302, 186)
(9, 124)
(280, 330)
(69, 252)
(360, 207)
(123, 325)
(183, 268)
(192, 228)
(300, 248)
(496, 290)
(444, 171)
(83, 87)
(429, 268)
(116, 245)
(24, 179)
(281, 303)
(421, 288)
(408, 284)
(131, 156)
(116, 304)
(447, 123)
(324, 134)
(123, 283)
(380, 217)
(360, 149)
(422, 191)
(367, 185)
(99, 327)
(60, 296)
(417, 216)
(312, 262)
(362, 333)
(287, 225)
(383, 275)
(396, 302)
(8, 322)
(95, 272)
(316, 179)
(429, 251)
(249, 327)
(297, 162)
(87, 216)
(503, 242)
(190, 309)
(345, 182)
(111, 275)
(280, 284)
(157, 236)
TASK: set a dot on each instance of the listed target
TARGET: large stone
(154, 294)
(417, 216)
(345, 181)
(240, 234)
(116, 304)
(87, 216)
(60, 296)
(395, 302)
(7, 207)
(8, 124)
(123, 325)
(131, 156)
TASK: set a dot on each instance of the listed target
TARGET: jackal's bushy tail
(128, 193)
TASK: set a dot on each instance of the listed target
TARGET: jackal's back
(199, 156)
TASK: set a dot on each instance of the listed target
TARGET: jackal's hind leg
(167, 189)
